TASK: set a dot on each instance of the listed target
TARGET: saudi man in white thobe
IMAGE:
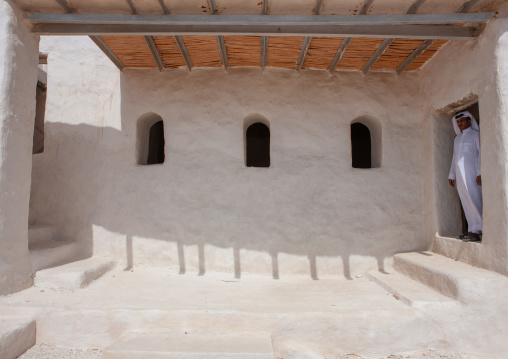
(465, 172)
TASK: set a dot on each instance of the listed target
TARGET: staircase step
(73, 275)
(467, 252)
(17, 335)
(409, 291)
(191, 345)
(51, 253)
(457, 280)
(41, 233)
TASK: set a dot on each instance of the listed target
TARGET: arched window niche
(150, 140)
(366, 142)
(256, 130)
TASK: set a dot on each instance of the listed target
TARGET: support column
(494, 104)
(19, 51)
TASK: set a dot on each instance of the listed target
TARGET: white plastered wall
(18, 80)
(310, 213)
(459, 72)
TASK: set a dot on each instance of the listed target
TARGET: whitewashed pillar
(494, 135)
(18, 79)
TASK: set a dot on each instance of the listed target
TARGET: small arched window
(257, 139)
(150, 139)
(156, 144)
(360, 146)
(366, 144)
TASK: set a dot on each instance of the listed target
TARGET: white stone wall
(458, 72)
(310, 213)
(18, 80)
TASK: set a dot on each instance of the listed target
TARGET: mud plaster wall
(18, 78)
(310, 213)
(460, 70)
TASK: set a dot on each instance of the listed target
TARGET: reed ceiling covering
(132, 44)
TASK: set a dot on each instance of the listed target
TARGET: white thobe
(464, 170)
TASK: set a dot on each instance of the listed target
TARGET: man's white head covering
(474, 124)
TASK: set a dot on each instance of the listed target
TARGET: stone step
(410, 291)
(17, 335)
(191, 345)
(41, 233)
(74, 275)
(467, 252)
(51, 253)
(456, 280)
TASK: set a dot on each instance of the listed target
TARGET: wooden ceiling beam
(387, 42)
(132, 7)
(345, 43)
(164, 8)
(96, 39)
(468, 5)
(264, 39)
(307, 40)
(107, 51)
(154, 51)
(183, 51)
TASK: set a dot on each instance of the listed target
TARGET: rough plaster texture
(458, 72)
(309, 213)
(18, 79)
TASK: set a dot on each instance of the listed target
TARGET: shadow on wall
(91, 179)
(307, 213)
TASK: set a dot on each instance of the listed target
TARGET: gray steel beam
(66, 6)
(303, 21)
(387, 42)
(222, 51)
(155, 52)
(164, 8)
(345, 43)
(303, 53)
(183, 51)
(264, 51)
(108, 52)
(379, 31)
(131, 6)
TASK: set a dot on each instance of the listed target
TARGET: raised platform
(386, 314)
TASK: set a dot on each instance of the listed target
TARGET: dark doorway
(258, 145)
(156, 144)
(474, 109)
(360, 146)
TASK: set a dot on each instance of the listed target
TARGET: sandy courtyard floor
(44, 351)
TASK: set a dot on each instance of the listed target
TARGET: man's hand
(479, 180)
(452, 182)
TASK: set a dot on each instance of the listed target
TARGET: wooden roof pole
(387, 42)
(468, 5)
(220, 39)
(307, 40)
(96, 39)
(345, 43)
(264, 39)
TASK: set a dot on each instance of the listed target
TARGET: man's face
(463, 123)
